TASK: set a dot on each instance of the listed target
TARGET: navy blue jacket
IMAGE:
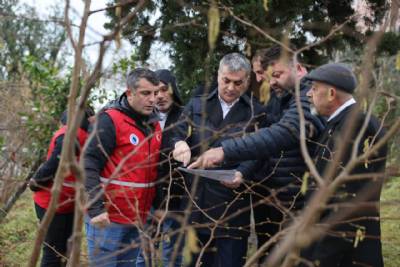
(211, 196)
(279, 147)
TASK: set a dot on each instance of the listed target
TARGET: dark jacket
(103, 145)
(165, 170)
(368, 252)
(211, 196)
(279, 146)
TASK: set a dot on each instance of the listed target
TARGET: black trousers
(55, 246)
(268, 220)
(222, 251)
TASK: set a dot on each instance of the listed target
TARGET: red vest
(130, 173)
(66, 200)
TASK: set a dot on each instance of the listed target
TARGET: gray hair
(235, 62)
(135, 75)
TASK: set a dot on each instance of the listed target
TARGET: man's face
(164, 98)
(319, 96)
(258, 70)
(231, 85)
(143, 98)
(283, 77)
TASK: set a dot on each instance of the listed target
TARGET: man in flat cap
(353, 240)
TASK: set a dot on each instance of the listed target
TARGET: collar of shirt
(349, 102)
(163, 119)
(225, 106)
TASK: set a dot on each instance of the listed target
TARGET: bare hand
(182, 152)
(158, 214)
(211, 158)
(236, 181)
(101, 220)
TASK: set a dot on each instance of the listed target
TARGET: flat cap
(338, 75)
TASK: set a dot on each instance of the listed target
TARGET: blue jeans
(109, 246)
(168, 246)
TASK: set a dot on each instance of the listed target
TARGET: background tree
(183, 26)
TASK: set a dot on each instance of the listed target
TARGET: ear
(128, 92)
(332, 93)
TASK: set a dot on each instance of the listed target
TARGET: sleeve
(270, 141)
(248, 168)
(183, 127)
(100, 147)
(48, 169)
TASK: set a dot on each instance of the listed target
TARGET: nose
(153, 98)
(231, 86)
(258, 77)
(309, 93)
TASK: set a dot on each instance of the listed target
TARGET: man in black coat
(280, 165)
(206, 121)
(355, 240)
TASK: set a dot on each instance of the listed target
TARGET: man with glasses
(220, 211)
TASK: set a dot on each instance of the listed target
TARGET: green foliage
(390, 44)
(22, 34)
(183, 25)
(49, 90)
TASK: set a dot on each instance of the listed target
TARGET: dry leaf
(266, 5)
(398, 61)
(213, 25)
(304, 184)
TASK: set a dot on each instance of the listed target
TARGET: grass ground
(18, 231)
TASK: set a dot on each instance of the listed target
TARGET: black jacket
(211, 196)
(335, 131)
(167, 164)
(277, 148)
(366, 217)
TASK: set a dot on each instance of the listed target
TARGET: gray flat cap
(338, 75)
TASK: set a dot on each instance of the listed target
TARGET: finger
(195, 164)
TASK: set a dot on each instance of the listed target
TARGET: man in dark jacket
(169, 184)
(220, 213)
(121, 169)
(355, 242)
(279, 144)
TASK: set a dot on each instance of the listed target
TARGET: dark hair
(274, 53)
(141, 73)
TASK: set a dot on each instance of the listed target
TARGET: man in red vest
(60, 228)
(121, 169)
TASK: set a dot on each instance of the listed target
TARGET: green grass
(391, 223)
(18, 231)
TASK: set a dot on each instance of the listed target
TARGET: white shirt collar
(163, 119)
(225, 106)
(349, 102)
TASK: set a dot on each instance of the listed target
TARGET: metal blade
(218, 175)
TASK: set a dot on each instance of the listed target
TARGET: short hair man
(228, 111)
(279, 144)
(121, 170)
(331, 96)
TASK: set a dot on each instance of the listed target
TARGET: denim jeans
(168, 246)
(109, 246)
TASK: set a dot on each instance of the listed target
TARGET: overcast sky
(158, 58)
